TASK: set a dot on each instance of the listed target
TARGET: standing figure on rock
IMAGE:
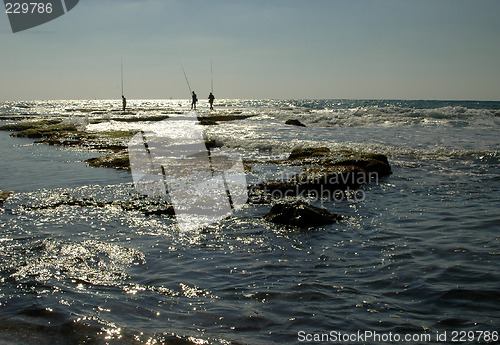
(195, 99)
(211, 99)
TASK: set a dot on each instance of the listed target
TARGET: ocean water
(417, 257)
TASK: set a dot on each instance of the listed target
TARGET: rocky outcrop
(326, 171)
(21, 126)
(301, 214)
(46, 131)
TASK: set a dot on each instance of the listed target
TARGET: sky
(279, 49)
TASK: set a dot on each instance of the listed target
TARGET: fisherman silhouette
(124, 102)
(211, 98)
(195, 99)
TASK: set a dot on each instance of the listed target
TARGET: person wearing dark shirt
(195, 99)
(211, 99)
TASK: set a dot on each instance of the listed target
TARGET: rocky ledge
(324, 171)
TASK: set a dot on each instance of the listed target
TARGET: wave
(281, 148)
(389, 115)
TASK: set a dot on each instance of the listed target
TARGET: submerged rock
(294, 122)
(301, 214)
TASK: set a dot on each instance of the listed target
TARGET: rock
(325, 173)
(300, 214)
(371, 162)
(310, 152)
(117, 160)
(52, 131)
(21, 126)
(143, 204)
(325, 177)
(140, 118)
(161, 211)
(294, 122)
(207, 122)
(213, 120)
(4, 195)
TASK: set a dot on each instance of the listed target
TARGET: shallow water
(419, 255)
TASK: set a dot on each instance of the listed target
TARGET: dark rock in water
(337, 177)
(309, 152)
(294, 122)
(162, 211)
(140, 118)
(325, 173)
(207, 122)
(375, 164)
(211, 143)
(118, 160)
(301, 214)
(213, 120)
(4, 195)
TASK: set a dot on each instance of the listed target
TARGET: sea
(414, 261)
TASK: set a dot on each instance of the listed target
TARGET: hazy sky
(389, 49)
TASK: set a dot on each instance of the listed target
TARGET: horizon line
(250, 99)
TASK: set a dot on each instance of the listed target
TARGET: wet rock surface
(300, 214)
(325, 171)
(321, 170)
(144, 204)
(4, 195)
(117, 160)
(294, 122)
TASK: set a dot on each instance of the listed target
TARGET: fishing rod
(187, 81)
(122, 74)
(211, 75)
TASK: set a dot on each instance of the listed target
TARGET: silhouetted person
(211, 99)
(195, 99)
(124, 102)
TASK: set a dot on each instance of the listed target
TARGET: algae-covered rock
(301, 214)
(325, 172)
(207, 122)
(21, 126)
(371, 162)
(46, 131)
(4, 195)
(117, 160)
(309, 152)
